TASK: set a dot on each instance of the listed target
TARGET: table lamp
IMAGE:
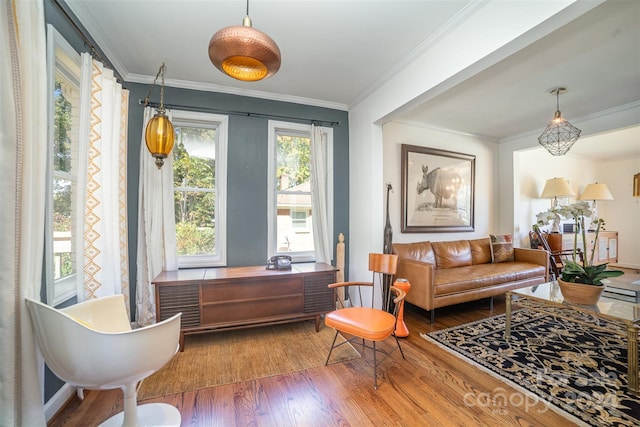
(554, 188)
(595, 192)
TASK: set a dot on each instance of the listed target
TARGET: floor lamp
(595, 192)
(554, 188)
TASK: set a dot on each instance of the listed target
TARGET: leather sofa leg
(433, 315)
(491, 303)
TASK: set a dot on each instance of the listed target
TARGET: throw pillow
(501, 247)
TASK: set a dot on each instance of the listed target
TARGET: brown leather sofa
(448, 273)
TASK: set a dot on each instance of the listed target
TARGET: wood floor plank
(431, 387)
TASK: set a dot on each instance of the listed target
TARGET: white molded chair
(91, 345)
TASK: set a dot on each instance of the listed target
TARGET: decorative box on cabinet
(238, 297)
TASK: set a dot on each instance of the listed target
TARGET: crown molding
(209, 87)
(445, 130)
(584, 120)
(600, 115)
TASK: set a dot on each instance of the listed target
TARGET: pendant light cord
(160, 74)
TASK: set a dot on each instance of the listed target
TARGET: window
(290, 198)
(64, 109)
(199, 178)
(299, 219)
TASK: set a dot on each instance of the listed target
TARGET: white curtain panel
(23, 136)
(156, 227)
(319, 182)
(102, 171)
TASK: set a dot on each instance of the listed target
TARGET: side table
(401, 327)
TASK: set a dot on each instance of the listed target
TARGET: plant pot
(580, 293)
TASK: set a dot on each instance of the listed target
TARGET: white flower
(577, 212)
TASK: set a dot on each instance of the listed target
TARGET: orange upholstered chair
(363, 321)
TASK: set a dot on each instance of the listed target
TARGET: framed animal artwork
(437, 190)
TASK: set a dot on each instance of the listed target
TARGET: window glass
(290, 198)
(198, 175)
(60, 259)
(195, 197)
(293, 192)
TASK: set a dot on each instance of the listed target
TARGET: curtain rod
(86, 39)
(239, 113)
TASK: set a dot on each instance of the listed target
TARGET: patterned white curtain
(102, 173)
(319, 183)
(156, 227)
(23, 132)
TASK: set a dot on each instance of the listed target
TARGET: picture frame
(636, 185)
(437, 190)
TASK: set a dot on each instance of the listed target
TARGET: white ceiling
(336, 52)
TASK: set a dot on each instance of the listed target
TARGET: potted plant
(580, 280)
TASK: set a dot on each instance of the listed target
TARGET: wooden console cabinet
(212, 299)
(606, 251)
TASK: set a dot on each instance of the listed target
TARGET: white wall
(397, 133)
(536, 166)
(623, 213)
(494, 30)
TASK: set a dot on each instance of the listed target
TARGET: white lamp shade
(596, 192)
(556, 187)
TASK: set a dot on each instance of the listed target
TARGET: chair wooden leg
(433, 315)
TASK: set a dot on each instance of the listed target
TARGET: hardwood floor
(430, 388)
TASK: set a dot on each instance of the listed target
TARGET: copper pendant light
(159, 134)
(244, 53)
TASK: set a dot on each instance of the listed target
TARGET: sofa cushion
(420, 251)
(465, 279)
(480, 251)
(452, 254)
(501, 247)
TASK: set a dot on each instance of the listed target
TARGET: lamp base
(593, 225)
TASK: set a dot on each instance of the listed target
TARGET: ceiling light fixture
(159, 134)
(244, 53)
(560, 135)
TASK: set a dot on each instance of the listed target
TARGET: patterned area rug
(578, 370)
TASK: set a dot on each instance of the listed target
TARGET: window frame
(59, 291)
(276, 127)
(185, 118)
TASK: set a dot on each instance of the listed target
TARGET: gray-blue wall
(247, 163)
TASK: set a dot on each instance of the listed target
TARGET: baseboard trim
(58, 401)
(623, 265)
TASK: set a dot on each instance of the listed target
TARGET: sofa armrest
(421, 278)
(534, 256)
